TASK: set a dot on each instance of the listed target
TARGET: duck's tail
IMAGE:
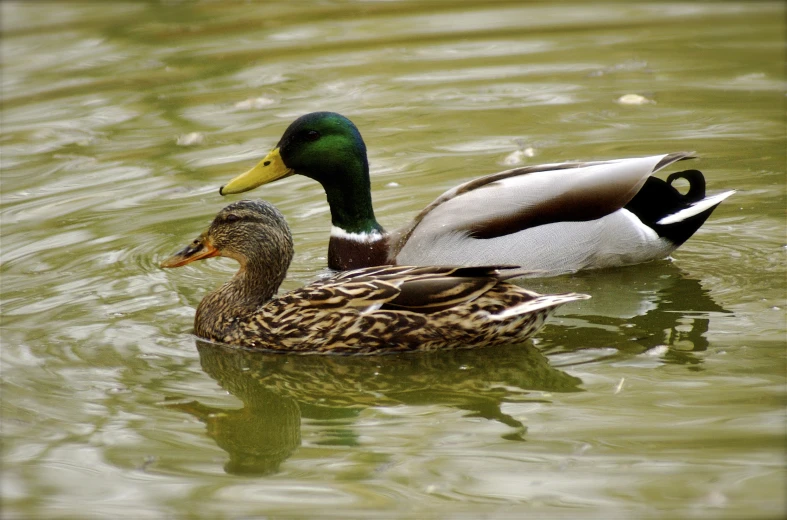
(542, 302)
(669, 213)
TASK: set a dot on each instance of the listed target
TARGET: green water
(662, 397)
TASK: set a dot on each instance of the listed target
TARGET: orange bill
(200, 249)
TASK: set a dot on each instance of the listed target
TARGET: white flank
(695, 209)
(542, 302)
(356, 237)
(645, 230)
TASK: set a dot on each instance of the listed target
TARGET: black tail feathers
(658, 199)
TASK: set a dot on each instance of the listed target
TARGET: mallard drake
(550, 219)
(363, 311)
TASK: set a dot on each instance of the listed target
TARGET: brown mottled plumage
(364, 311)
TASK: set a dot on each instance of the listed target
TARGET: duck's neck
(223, 310)
(351, 201)
(357, 239)
(356, 250)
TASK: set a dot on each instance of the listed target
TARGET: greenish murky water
(662, 397)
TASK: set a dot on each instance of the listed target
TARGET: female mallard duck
(550, 219)
(371, 310)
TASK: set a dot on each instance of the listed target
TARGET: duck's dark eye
(231, 218)
(312, 135)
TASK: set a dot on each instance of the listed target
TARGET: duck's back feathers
(421, 289)
(521, 198)
(557, 218)
(398, 308)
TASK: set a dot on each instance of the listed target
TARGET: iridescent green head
(320, 145)
(328, 148)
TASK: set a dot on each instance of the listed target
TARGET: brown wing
(364, 295)
(427, 295)
(421, 289)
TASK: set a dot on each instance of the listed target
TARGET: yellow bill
(269, 169)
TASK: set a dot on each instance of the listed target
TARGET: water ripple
(662, 377)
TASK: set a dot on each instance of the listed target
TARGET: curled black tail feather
(696, 184)
(658, 199)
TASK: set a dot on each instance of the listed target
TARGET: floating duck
(362, 311)
(549, 219)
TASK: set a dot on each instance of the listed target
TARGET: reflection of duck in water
(660, 306)
(278, 390)
(378, 309)
(258, 437)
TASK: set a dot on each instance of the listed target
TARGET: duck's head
(253, 232)
(324, 146)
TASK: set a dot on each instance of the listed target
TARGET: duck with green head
(550, 219)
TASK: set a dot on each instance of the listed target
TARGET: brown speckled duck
(363, 311)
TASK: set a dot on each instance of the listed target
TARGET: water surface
(663, 396)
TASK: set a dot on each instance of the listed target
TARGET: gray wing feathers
(561, 219)
(511, 204)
